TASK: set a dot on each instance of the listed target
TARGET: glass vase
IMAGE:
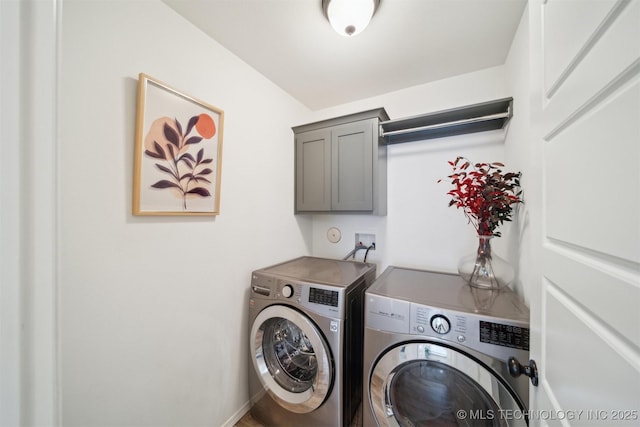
(484, 269)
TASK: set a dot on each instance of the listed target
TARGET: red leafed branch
(485, 193)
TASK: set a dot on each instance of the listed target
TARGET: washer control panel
(323, 299)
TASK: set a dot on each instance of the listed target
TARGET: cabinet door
(352, 167)
(313, 171)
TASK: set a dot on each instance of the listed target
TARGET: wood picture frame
(178, 152)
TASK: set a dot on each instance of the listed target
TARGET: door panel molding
(580, 278)
(593, 170)
(589, 42)
(629, 73)
(578, 334)
(607, 65)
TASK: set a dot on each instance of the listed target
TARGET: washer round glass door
(420, 384)
(291, 358)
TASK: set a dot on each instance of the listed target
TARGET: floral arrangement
(484, 193)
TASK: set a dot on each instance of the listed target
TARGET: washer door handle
(516, 369)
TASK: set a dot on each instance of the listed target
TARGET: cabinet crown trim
(376, 113)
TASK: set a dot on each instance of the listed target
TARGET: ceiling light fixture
(349, 17)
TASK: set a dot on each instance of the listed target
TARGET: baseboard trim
(238, 415)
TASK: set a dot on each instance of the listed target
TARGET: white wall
(420, 230)
(153, 328)
(524, 154)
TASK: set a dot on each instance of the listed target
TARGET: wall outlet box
(365, 240)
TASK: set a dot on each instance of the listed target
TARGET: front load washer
(436, 352)
(306, 341)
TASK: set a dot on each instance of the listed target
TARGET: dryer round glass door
(291, 358)
(416, 384)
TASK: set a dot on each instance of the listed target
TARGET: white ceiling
(407, 43)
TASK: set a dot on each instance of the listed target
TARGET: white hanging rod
(444, 125)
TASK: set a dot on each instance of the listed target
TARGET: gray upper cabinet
(340, 165)
(313, 171)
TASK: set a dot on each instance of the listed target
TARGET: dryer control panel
(497, 337)
(430, 321)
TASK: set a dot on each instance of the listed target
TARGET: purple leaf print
(200, 191)
(193, 140)
(179, 126)
(192, 122)
(165, 184)
(186, 171)
(171, 135)
(154, 155)
(164, 169)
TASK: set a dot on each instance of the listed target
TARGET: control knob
(287, 291)
(440, 324)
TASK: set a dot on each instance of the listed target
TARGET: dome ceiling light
(349, 17)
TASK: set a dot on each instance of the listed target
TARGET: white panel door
(586, 80)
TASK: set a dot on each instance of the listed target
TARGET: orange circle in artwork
(205, 126)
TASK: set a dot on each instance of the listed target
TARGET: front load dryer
(306, 341)
(437, 350)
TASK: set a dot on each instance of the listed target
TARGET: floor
(248, 421)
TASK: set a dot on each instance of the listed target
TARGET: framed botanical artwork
(178, 152)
